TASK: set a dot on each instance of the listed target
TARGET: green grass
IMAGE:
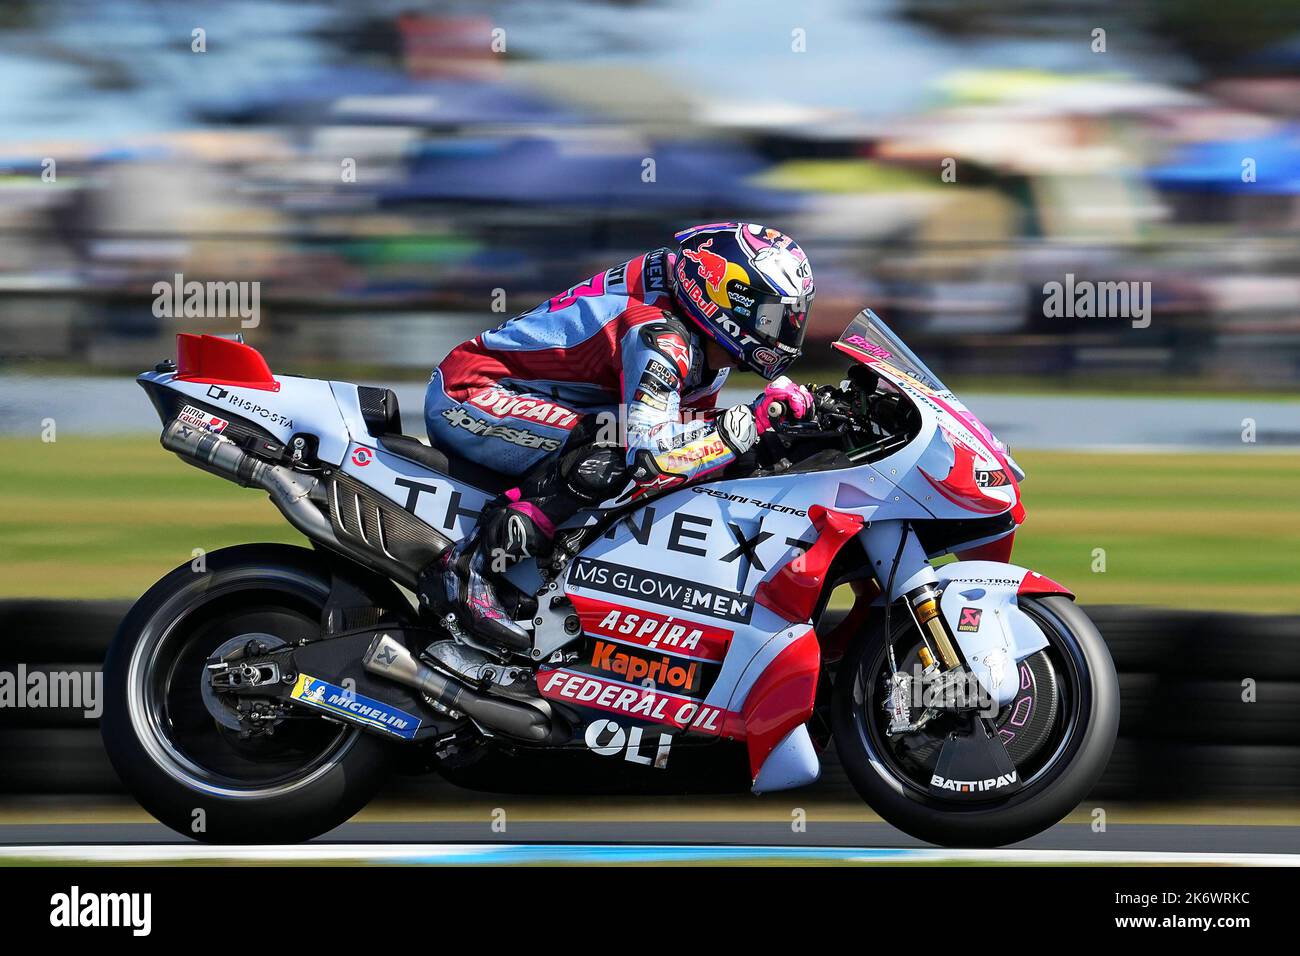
(106, 517)
(1203, 531)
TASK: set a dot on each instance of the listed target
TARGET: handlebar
(824, 406)
(779, 413)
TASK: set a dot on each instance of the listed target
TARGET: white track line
(514, 853)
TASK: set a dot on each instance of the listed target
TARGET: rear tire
(185, 768)
(1042, 802)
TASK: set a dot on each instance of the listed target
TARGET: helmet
(748, 288)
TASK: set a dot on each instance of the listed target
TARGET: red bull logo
(694, 292)
(713, 267)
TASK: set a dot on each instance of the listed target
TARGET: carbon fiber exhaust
(289, 490)
(387, 657)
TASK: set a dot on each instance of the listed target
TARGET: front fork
(904, 570)
(902, 566)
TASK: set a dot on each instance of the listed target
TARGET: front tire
(1065, 768)
(179, 762)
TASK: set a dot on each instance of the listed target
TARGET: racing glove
(737, 428)
(795, 398)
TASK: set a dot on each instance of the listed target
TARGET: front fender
(980, 604)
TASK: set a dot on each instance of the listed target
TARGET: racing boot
(467, 583)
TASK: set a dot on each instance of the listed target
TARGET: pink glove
(797, 400)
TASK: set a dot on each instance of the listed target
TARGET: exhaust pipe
(389, 658)
(386, 657)
(289, 490)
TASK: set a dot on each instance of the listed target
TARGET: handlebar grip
(776, 411)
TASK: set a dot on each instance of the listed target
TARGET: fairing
(956, 467)
(980, 604)
(716, 583)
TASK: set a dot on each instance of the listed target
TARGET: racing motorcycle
(682, 637)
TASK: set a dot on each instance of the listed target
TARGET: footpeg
(452, 623)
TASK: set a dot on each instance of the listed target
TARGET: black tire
(166, 757)
(1084, 748)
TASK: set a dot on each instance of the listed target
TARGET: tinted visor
(773, 319)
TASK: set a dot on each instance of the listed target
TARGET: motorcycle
(677, 637)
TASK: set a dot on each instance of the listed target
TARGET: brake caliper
(898, 703)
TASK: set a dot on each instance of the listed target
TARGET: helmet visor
(782, 320)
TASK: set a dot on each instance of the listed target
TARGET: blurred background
(397, 177)
(504, 146)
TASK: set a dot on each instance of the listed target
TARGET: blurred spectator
(406, 179)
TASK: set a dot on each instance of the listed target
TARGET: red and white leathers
(608, 364)
(611, 347)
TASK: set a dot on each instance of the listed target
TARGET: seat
(383, 420)
(453, 466)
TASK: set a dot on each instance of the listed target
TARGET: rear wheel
(1057, 733)
(178, 746)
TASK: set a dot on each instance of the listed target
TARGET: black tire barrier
(58, 630)
(55, 760)
(1211, 705)
(1201, 644)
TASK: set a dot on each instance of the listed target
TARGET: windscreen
(868, 335)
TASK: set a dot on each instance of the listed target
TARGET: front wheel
(1057, 733)
(177, 746)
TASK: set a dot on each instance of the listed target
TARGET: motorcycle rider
(606, 393)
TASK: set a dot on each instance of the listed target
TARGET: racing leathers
(601, 394)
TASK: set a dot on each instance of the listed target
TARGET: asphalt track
(658, 841)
